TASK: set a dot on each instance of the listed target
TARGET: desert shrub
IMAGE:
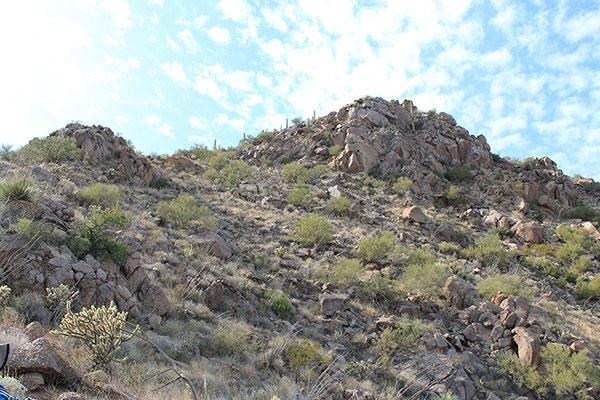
(57, 299)
(100, 194)
(17, 191)
(96, 235)
(590, 289)
(32, 307)
(542, 264)
(459, 174)
(263, 137)
(406, 334)
(346, 272)
(312, 230)
(294, 172)
(35, 230)
(197, 152)
(50, 149)
(377, 247)
(565, 375)
(507, 284)
(448, 248)
(6, 152)
(423, 274)
(300, 196)
(582, 264)
(335, 150)
(316, 172)
(230, 339)
(489, 251)
(591, 187)
(583, 212)
(280, 304)
(402, 185)
(453, 195)
(218, 161)
(102, 329)
(304, 356)
(185, 212)
(339, 206)
(235, 172)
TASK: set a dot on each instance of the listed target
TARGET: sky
(168, 74)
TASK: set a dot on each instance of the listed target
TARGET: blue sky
(167, 74)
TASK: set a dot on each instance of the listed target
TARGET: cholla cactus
(102, 329)
(4, 293)
(57, 298)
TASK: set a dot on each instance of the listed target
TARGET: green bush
(346, 272)
(281, 305)
(227, 173)
(563, 375)
(377, 247)
(406, 334)
(17, 190)
(300, 196)
(591, 187)
(304, 355)
(453, 195)
(507, 284)
(312, 230)
(402, 185)
(583, 212)
(50, 149)
(423, 274)
(100, 194)
(185, 212)
(294, 172)
(228, 340)
(459, 174)
(589, 289)
(583, 264)
(218, 161)
(197, 152)
(339, 206)
(263, 137)
(335, 150)
(489, 251)
(449, 248)
(316, 172)
(96, 236)
(35, 230)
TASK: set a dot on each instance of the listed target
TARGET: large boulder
(528, 345)
(40, 357)
(529, 232)
(415, 214)
(459, 293)
(332, 303)
(213, 244)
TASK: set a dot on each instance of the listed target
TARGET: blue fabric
(4, 395)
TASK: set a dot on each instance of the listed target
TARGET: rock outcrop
(99, 146)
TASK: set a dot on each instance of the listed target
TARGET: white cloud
(218, 35)
(198, 123)
(119, 10)
(196, 23)
(237, 10)
(582, 26)
(187, 38)
(175, 71)
(238, 124)
(174, 46)
(154, 121)
(156, 2)
(496, 59)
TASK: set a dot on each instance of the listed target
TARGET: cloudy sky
(170, 73)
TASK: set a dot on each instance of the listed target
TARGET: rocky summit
(377, 252)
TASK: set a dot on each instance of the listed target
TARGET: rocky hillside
(378, 252)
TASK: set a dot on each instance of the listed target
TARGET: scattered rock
(332, 303)
(529, 232)
(459, 293)
(213, 244)
(528, 345)
(415, 214)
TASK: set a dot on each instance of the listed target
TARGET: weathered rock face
(529, 232)
(40, 357)
(459, 293)
(100, 145)
(385, 135)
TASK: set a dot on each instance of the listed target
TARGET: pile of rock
(99, 145)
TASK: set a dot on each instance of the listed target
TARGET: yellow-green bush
(100, 194)
(489, 250)
(423, 274)
(507, 284)
(406, 334)
(312, 230)
(346, 272)
(402, 185)
(300, 196)
(17, 190)
(377, 247)
(184, 212)
(590, 289)
(339, 206)
(50, 149)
